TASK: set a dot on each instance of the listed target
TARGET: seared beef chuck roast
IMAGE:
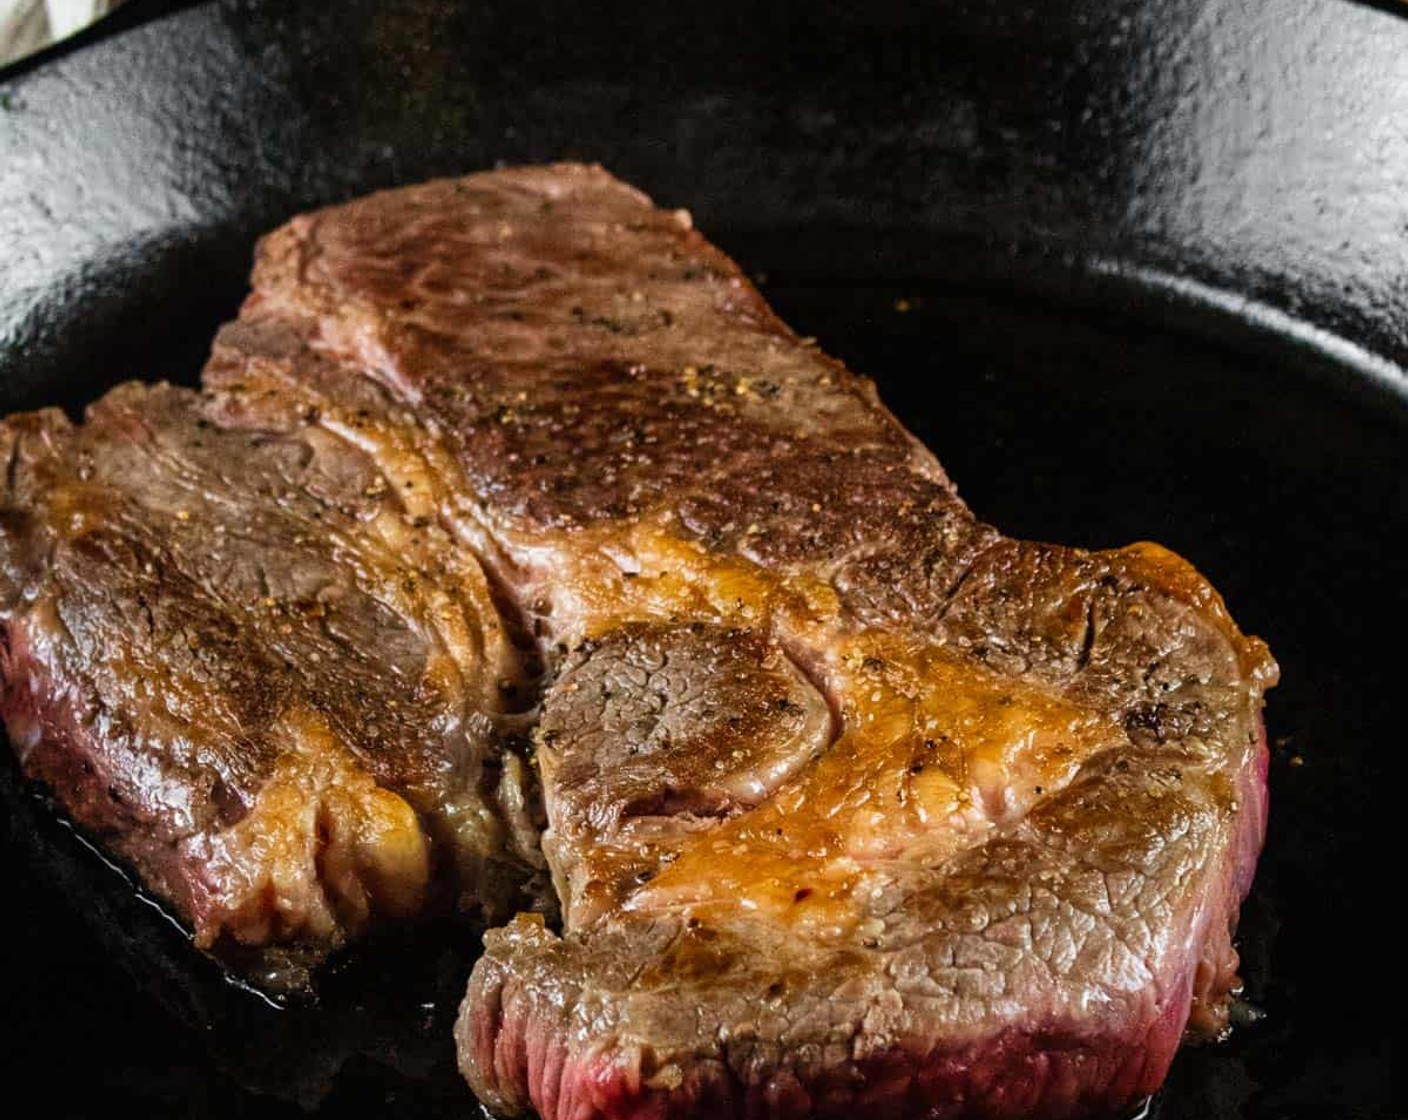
(850, 801)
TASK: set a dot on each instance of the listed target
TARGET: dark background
(1155, 260)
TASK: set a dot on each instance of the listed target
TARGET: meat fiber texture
(848, 801)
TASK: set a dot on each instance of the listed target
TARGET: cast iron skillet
(1134, 270)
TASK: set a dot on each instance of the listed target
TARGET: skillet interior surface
(1124, 269)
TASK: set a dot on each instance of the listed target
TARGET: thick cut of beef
(851, 802)
(248, 665)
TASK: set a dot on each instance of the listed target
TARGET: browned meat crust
(850, 801)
